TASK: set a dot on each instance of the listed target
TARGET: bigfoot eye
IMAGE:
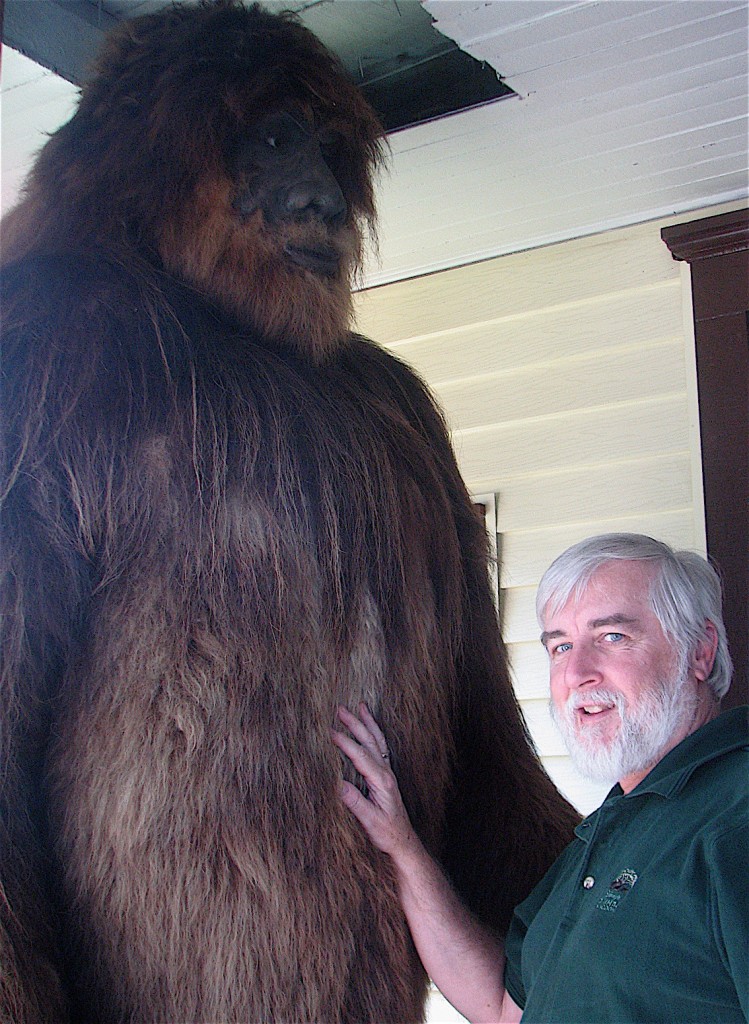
(274, 136)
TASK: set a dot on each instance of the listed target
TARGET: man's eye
(561, 648)
(613, 638)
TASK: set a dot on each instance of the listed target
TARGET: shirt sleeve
(513, 955)
(522, 919)
(730, 907)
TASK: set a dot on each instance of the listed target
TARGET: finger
(368, 815)
(366, 730)
(365, 762)
(382, 787)
(358, 804)
(363, 731)
(372, 724)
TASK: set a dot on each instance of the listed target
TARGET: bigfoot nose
(317, 196)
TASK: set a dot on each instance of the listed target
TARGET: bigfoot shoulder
(123, 336)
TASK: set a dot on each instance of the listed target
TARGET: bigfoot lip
(320, 259)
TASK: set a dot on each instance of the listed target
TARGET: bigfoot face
(273, 235)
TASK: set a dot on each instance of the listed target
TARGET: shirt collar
(727, 732)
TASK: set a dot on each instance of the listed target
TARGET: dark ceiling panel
(61, 36)
(408, 71)
(451, 82)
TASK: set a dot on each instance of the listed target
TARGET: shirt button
(589, 882)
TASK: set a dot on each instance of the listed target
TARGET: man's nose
(582, 667)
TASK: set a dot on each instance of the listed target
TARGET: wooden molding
(713, 236)
(717, 250)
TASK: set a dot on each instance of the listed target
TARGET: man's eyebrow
(616, 619)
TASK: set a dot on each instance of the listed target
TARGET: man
(645, 916)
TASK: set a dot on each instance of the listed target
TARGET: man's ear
(703, 656)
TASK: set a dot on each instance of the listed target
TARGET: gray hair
(685, 593)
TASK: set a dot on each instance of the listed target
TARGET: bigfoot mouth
(323, 260)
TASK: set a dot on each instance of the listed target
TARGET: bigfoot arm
(464, 959)
(35, 591)
(506, 823)
(44, 580)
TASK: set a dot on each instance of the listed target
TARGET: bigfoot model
(223, 516)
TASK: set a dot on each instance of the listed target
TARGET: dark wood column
(717, 249)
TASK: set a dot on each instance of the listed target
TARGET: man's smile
(594, 709)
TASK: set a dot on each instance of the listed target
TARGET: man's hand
(381, 813)
(464, 960)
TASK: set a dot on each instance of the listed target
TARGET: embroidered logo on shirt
(617, 890)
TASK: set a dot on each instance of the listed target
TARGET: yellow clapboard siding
(565, 384)
(583, 793)
(545, 736)
(530, 669)
(567, 378)
(519, 615)
(526, 554)
(610, 321)
(515, 284)
(590, 437)
(590, 494)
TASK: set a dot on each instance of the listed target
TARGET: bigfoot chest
(193, 780)
(208, 868)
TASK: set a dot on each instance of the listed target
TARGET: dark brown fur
(223, 515)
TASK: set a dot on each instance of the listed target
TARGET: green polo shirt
(645, 916)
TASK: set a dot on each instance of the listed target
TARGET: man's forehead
(624, 578)
(617, 593)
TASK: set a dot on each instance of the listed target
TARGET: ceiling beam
(62, 35)
(408, 71)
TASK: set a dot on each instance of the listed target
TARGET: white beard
(646, 729)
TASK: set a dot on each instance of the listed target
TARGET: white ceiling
(33, 103)
(626, 110)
